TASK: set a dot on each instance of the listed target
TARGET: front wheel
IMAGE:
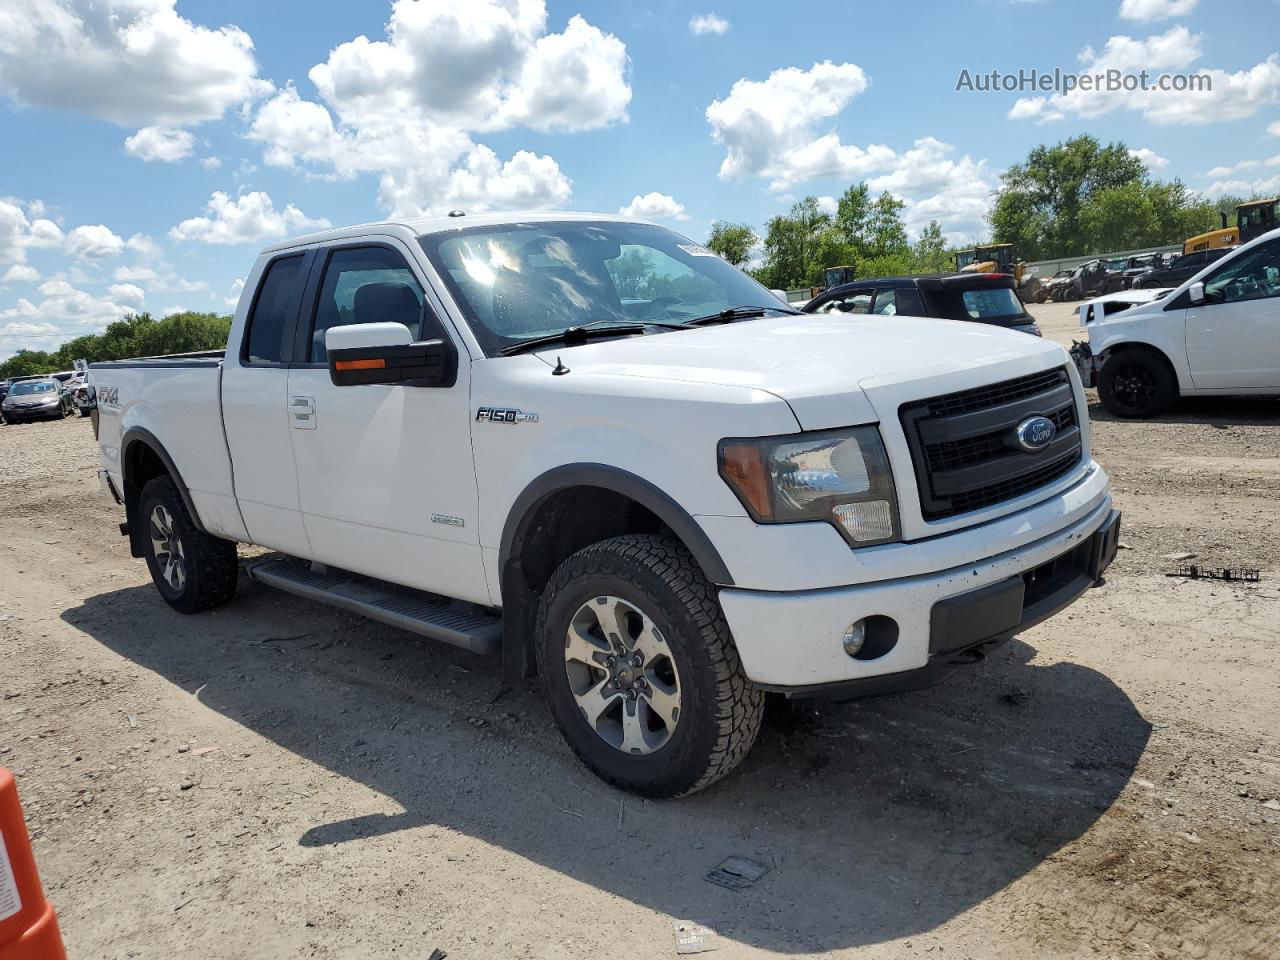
(1134, 384)
(193, 571)
(639, 669)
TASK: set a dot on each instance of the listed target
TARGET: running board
(453, 622)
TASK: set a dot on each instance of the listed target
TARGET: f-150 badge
(506, 415)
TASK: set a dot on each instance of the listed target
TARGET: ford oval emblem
(1036, 433)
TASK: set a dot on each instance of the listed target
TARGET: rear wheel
(1136, 384)
(639, 669)
(192, 570)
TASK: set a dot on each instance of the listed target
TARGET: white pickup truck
(595, 447)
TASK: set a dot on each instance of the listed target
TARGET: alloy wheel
(622, 675)
(167, 547)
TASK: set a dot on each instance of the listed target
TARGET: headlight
(840, 476)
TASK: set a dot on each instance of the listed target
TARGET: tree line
(1075, 198)
(134, 335)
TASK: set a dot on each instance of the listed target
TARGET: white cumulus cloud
(250, 218)
(1147, 10)
(767, 126)
(654, 206)
(166, 144)
(126, 293)
(1152, 159)
(702, 24)
(406, 108)
(1231, 95)
(94, 242)
(136, 63)
(21, 273)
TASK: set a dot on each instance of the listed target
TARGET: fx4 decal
(505, 415)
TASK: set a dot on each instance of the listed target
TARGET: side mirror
(365, 353)
(1196, 291)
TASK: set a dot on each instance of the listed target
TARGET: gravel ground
(276, 779)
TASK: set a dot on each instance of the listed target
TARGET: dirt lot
(279, 780)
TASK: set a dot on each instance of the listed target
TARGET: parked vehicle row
(594, 446)
(36, 398)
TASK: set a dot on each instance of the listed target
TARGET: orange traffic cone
(28, 928)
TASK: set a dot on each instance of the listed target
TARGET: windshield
(27, 389)
(515, 282)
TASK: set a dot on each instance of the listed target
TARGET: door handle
(302, 413)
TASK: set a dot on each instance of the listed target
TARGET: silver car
(44, 399)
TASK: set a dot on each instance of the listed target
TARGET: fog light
(855, 635)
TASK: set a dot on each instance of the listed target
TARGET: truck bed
(175, 404)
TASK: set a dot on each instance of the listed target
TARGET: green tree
(732, 241)
(791, 243)
(133, 335)
(930, 253)
(888, 237)
(1041, 200)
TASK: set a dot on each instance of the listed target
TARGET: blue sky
(152, 149)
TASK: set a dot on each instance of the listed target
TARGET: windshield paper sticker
(10, 901)
(693, 250)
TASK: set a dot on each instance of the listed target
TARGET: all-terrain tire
(720, 709)
(208, 562)
(1136, 384)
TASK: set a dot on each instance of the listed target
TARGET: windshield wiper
(737, 313)
(572, 336)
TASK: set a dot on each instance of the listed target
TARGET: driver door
(386, 482)
(1233, 337)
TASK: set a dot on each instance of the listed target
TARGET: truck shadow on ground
(877, 819)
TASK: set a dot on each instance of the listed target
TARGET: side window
(859, 301)
(886, 303)
(274, 309)
(368, 285)
(1252, 276)
(909, 303)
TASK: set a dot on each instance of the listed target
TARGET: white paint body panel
(355, 479)
(1221, 348)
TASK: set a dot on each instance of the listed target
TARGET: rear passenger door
(386, 480)
(255, 386)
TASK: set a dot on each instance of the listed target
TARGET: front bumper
(792, 642)
(20, 414)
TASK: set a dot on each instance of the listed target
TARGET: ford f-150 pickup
(595, 447)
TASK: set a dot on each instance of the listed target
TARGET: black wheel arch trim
(647, 494)
(519, 606)
(147, 438)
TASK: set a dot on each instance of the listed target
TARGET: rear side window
(368, 285)
(985, 304)
(274, 309)
(908, 303)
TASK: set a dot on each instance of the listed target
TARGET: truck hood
(822, 366)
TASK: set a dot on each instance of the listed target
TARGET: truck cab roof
(457, 220)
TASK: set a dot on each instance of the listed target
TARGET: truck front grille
(964, 445)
